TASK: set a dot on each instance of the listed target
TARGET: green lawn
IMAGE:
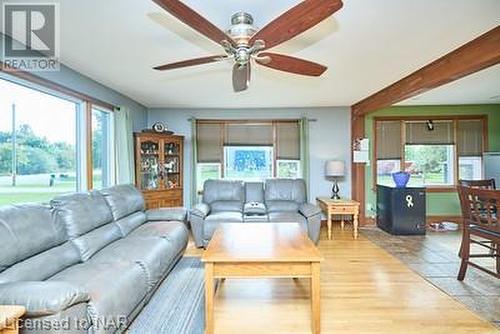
(33, 193)
(35, 188)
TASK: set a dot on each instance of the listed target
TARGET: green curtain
(194, 163)
(124, 147)
(304, 150)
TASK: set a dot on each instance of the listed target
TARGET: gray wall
(329, 138)
(83, 84)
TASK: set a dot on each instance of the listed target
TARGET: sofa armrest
(201, 210)
(309, 210)
(166, 214)
(42, 298)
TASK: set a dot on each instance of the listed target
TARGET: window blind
(288, 140)
(245, 134)
(470, 138)
(209, 142)
(417, 133)
(388, 140)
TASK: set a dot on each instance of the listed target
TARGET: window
(248, 163)
(38, 144)
(47, 142)
(288, 169)
(429, 152)
(470, 148)
(435, 152)
(430, 165)
(101, 148)
(388, 150)
(385, 169)
(470, 168)
(207, 171)
(247, 151)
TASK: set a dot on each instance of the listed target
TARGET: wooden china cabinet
(159, 169)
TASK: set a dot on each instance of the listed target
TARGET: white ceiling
(479, 88)
(367, 45)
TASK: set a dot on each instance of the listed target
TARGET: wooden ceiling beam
(472, 57)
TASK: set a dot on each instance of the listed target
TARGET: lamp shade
(335, 168)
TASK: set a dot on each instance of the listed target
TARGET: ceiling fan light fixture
(242, 28)
(243, 41)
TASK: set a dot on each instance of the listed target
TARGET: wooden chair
(480, 184)
(480, 209)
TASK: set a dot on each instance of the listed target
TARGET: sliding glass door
(38, 144)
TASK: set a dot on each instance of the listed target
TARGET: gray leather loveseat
(276, 200)
(88, 262)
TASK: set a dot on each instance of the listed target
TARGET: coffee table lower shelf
(223, 270)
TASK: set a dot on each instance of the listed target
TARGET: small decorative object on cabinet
(159, 170)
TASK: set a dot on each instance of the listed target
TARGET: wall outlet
(370, 208)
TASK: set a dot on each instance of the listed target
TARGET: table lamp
(335, 169)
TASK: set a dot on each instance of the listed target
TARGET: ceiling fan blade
(295, 21)
(241, 77)
(194, 20)
(290, 64)
(191, 62)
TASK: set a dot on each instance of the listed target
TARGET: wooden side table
(339, 207)
(9, 318)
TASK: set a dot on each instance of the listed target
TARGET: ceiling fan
(243, 42)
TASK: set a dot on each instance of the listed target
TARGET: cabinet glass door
(172, 165)
(150, 164)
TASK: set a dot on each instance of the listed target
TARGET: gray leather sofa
(88, 262)
(276, 200)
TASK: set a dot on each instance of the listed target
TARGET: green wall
(438, 204)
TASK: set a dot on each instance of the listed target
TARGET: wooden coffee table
(266, 250)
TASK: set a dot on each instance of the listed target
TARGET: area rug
(177, 305)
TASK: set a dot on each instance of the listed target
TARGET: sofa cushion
(285, 190)
(254, 192)
(154, 254)
(115, 289)
(42, 298)
(81, 212)
(174, 232)
(90, 243)
(223, 190)
(42, 266)
(227, 217)
(287, 217)
(26, 230)
(123, 200)
(131, 222)
(256, 218)
(167, 214)
(226, 206)
(282, 206)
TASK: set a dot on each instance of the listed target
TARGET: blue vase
(401, 179)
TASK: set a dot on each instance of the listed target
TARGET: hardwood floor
(363, 288)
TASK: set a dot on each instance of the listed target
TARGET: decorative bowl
(401, 179)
